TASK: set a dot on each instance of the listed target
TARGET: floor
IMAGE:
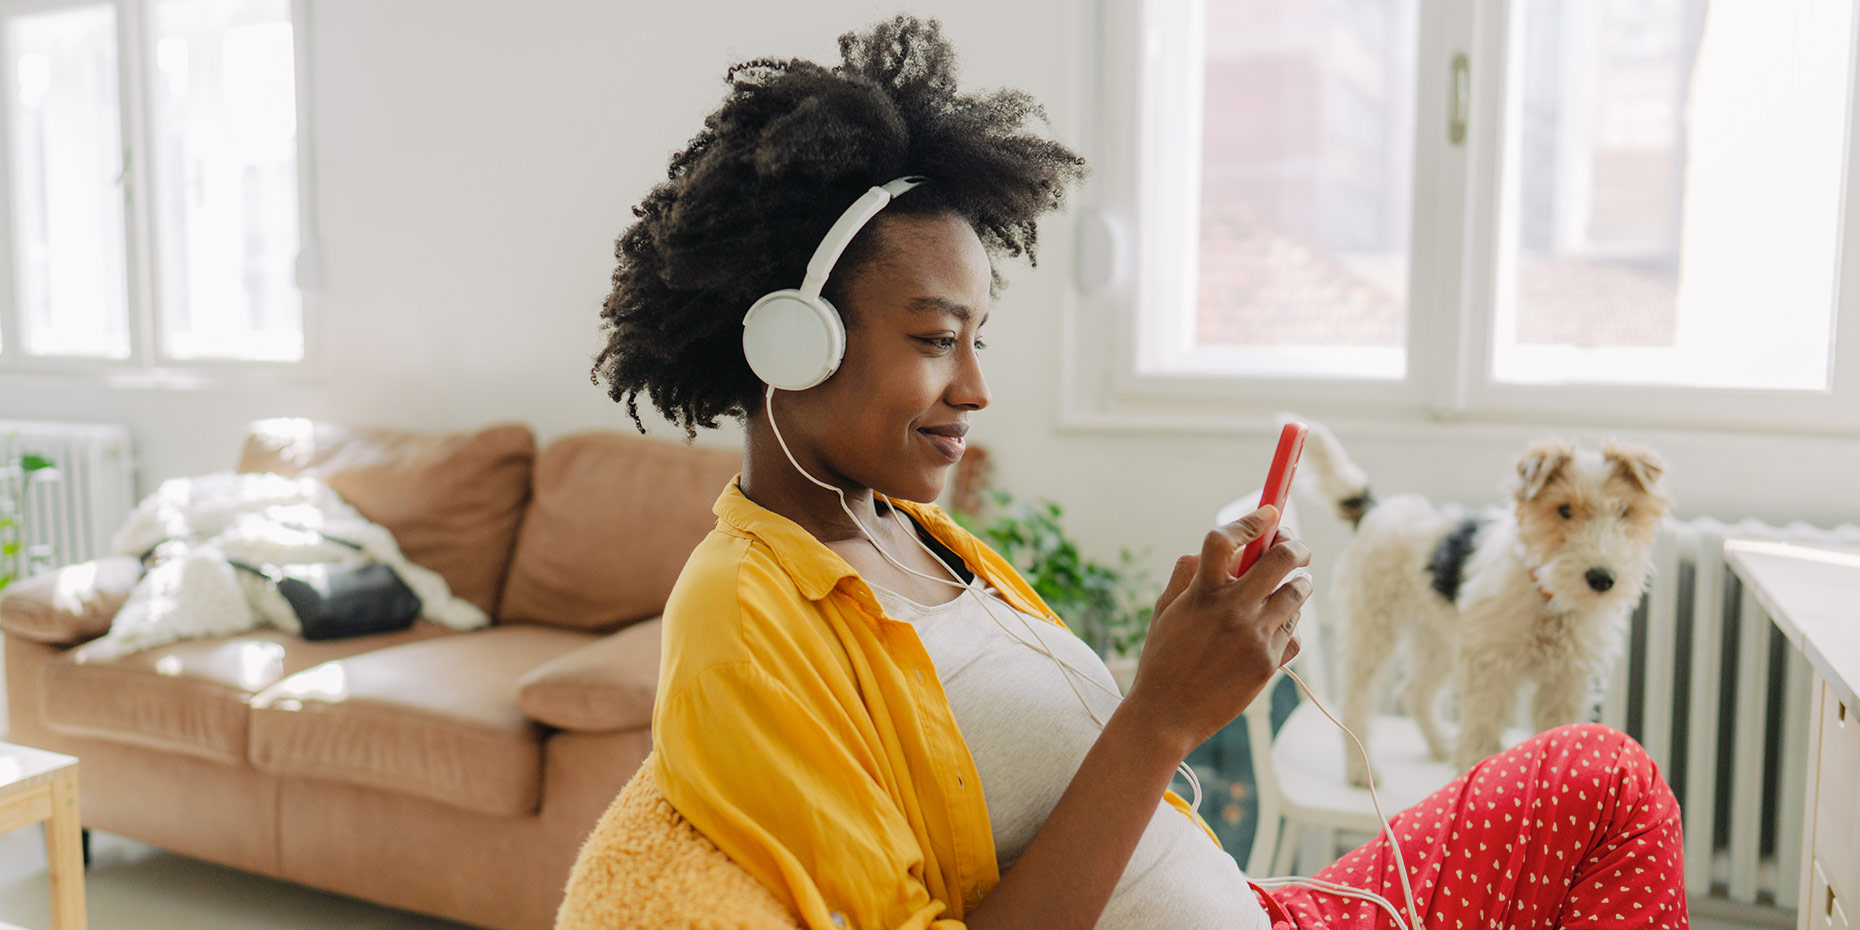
(132, 886)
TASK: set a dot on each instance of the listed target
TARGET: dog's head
(1587, 520)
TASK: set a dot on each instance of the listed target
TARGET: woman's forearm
(1064, 878)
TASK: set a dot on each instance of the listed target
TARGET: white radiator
(70, 518)
(1720, 701)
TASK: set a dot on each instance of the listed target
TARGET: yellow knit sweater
(645, 866)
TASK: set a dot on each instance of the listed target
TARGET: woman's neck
(774, 482)
(891, 555)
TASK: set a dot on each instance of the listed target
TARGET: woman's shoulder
(726, 575)
(728, 565)
(736, 602)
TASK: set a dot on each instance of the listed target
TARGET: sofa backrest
(611, 521)
(453, 500)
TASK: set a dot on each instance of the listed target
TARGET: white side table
(1812, 594)
(38, 786)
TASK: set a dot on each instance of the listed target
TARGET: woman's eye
(1562, 510)
(946, 343)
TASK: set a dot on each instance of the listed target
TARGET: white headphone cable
(1188, 771)
(1185, 769)
(1039, 645)
(1067, 671)
(1401, 866)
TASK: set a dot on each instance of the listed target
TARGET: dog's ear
(1639, 465)
(1540, 465)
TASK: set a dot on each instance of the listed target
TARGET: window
(195, 102)
(68, 227)
(1307, 141)
(1630, 211)
(1674, 194)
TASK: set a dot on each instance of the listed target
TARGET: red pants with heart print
(1571, 828)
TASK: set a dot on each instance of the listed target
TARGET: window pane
(1676, 199)
(1307, 160)
(67, 158)
(225, 123)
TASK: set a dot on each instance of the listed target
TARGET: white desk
(1812, 594)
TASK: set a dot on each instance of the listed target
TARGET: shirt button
(839, 919)
(920, 676)
(959, 781)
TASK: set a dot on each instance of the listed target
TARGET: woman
(868, 709)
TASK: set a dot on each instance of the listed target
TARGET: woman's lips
(949, 446)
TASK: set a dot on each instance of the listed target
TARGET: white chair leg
(1328, 846)
(1314, 846)
(1282, 860)
(1265, 842)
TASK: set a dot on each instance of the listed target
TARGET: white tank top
(1028, 735)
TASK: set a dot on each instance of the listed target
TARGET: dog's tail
(1338, 479)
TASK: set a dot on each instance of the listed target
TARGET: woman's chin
(923, 489)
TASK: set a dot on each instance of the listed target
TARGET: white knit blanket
(197, 523)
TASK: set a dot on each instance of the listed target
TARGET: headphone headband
(847, 226)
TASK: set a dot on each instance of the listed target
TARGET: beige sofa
(452, 773)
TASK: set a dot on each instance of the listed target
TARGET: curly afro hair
(792, 145)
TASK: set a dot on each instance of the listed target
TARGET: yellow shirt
(805, 733)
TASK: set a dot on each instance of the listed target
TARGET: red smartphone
(1277, 488)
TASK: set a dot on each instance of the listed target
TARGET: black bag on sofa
(335, 600)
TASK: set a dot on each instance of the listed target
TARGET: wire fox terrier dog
(1489, 599)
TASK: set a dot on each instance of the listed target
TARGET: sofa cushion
(70, 604)
(435, 719)
(452, 500)
(611, 523)
(190, 696)
(609, 684)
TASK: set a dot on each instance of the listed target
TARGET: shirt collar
(817, 570)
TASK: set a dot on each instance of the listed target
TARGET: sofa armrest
(609, 684)
(72, 604)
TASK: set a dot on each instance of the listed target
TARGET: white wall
(476, 160)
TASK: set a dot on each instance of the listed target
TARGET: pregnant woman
(868, 709)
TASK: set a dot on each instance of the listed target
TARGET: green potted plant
(17, 473)
(1107, 605)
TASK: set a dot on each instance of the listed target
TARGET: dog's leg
(1487, 683)
(1366, 655)
(1564, 695)
(1430, 665)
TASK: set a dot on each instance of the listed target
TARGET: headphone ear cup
(792, 341)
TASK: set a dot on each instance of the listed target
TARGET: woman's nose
(970, 389)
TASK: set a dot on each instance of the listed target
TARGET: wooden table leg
(64, 855)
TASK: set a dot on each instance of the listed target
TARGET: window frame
(149, 365)
(1128, 227)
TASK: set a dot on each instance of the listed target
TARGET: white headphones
(795, 339)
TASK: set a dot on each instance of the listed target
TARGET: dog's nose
(1600, 579)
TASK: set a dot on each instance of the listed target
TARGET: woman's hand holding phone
(1216, 639)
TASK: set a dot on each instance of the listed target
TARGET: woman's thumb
(1221, 547)
(1256, 524)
